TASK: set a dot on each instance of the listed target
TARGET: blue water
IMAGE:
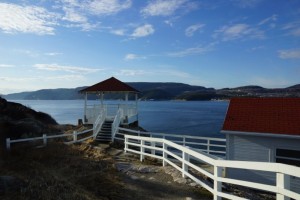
(201, 118)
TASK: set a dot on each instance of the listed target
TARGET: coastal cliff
(18, 121)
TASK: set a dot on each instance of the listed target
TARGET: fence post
(164, 154)
(45, 139)
(217, 184)
(74, 136)
(208, 146)
(142, 150)
(185, 158)
(282, 182)
(152, 145)
(126, 144)
(8, 144)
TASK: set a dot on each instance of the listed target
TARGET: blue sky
(220, 43)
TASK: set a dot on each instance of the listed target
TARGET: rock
(10, 184)
(193, 184)
(123, 167)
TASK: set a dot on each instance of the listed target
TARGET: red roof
(109, 85)
(264, 115)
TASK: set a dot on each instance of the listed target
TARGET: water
(199, 118)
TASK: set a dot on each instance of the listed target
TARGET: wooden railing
(209, 145)
(189, 161)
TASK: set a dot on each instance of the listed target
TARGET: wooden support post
(74, 136)
(282, 182)
(217, 184)
(45, 139)
(8, 144)
(142, 150)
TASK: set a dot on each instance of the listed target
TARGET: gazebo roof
(109, 85)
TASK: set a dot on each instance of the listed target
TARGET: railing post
(164, 154)
(8, 144)
(208, 146)
(217, 184)
(142, 150)
(152, 145)
(44, 139)
(183, 140)
(74, 136)
(282, 182)
(126, 144)
(185, 159)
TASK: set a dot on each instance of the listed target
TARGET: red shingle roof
(110, 85)
(264, 115)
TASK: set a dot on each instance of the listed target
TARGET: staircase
(104, 134)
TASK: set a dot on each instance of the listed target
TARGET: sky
(47, 44)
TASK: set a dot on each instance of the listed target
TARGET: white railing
(93, 111)
(143, 145)
(216, 146)
(116, 123)
(45, 138)
(99, 122)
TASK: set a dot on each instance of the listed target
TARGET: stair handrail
(116, 123)
(99, 122)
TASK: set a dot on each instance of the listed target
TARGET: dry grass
(62, 172)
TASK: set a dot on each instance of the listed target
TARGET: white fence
(144, 147)
(209, 145)
(45, 138)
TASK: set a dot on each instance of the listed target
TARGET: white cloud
(132, 56)
(293, 28)
(130, 72)
(238, 31)
(246, 3)
(72, 69)
(119, 32)
(143, 31)
(189, 31)
(289, 54)
(107, 7)
(27, 19)
(270, 20)
(52, 54)
(191, 51)
(6, 66)
(162, 7)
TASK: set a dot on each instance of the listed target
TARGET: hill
(164, 91)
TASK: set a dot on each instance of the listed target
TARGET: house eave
(261, 134)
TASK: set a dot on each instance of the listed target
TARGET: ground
(88, 171)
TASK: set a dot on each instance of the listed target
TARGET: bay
(198, 118)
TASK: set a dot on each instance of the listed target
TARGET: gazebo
(128, 111)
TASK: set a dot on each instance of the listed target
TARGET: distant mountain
(164, 91)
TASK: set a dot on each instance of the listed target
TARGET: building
(266, 130)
